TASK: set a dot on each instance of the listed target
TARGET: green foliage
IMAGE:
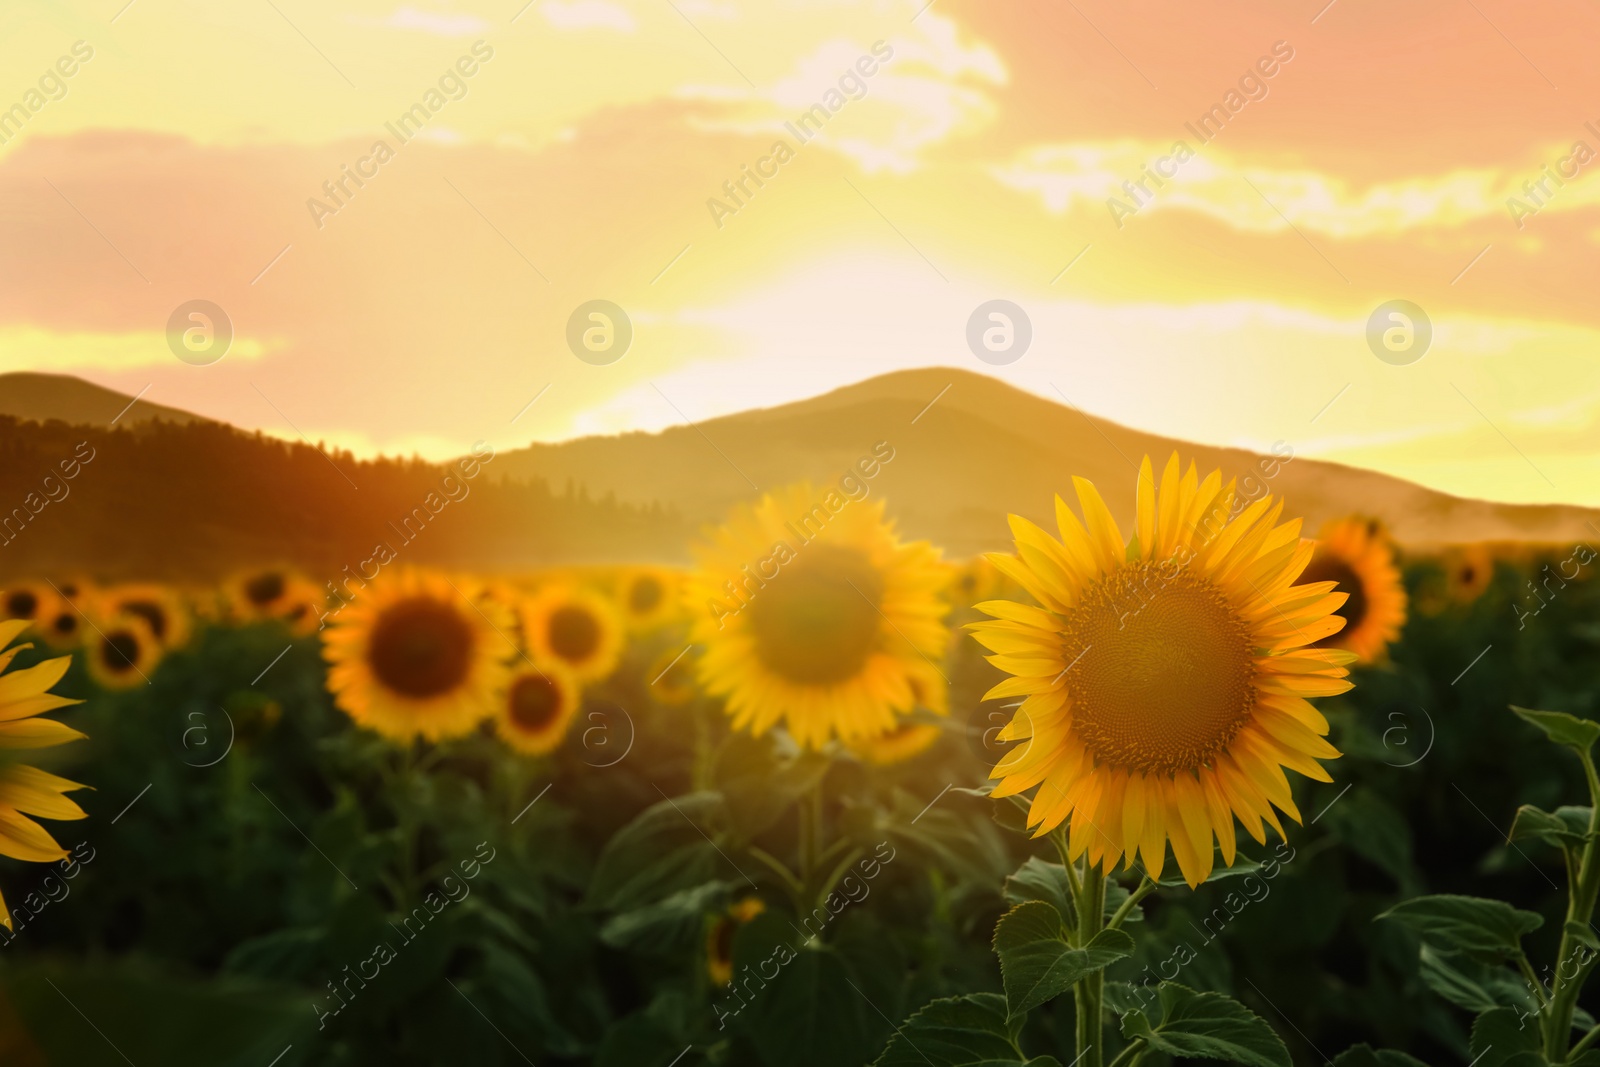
(1207, 1026)
(1490, 930)
(1038, 963)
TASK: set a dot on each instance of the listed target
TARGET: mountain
(171, 495)
(41, 397)
(968, 449)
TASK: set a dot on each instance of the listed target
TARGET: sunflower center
(644, 595)
(22, 604)
(420, 647)
(65, 624)
(817, 621)
(535, 700)
(574, 633)
(1330, 569)
(120, 651)
(150, 613)
(1164, 677)
(263, 589)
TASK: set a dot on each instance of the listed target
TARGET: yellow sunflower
(162, 610)
(63, 627)
(1468, 571)
(1165, 678)
(1358, 554)
(575, 627)
(670, 679)
(122, 652)
(261, 594)
(30, 602)
(813, 613)
(973, 581)
(647, 596)
(537, 709)
(410, 655)
(719, 938)
(26, 791)
(303, 607)
(907, 740)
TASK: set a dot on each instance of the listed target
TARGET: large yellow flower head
(538, 708)
(1358, 554)
(411, 655)
(1165, 678)
(813, 613)
(27, 791)
(576, 628)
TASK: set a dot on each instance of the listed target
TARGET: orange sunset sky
(1377, 162)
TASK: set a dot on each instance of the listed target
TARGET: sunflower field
(1192, 783)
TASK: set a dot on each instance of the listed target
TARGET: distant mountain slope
(984, 449)
(189, 497)
(42, 397)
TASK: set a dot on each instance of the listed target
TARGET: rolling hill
(964, 451)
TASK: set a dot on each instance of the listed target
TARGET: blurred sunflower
(819, 625)
(1468, 572)
(538, 707)
(670, 680)
(62, 626)
(303, 607)
(122, 651)
(719, 938)
(1165, 678)
(908, 739)
(162, 610)
(1358, 554)
(261, 594)
(29, 602)
(26, 791)
(974, 580)
(575, 627)
(647, 596)
(409, 655)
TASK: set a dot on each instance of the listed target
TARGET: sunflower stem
(1089, 992)
(1564, 987)
(1145, 889)
(1130, 1054)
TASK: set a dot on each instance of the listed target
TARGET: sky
(1201, 211)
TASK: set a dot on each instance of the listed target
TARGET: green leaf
(1241, 867)
(1489, 930)
(662, 850)
(673, 923)
(759, 786)
(1472, 985)
(1037, 964)
(1367, 1056)
(1208, 1026)
(1502, 1036)
(1565, 827)
(1569, 730)
(1038, 880)
(969, 1031)
(799, 1004)
(1376, 831)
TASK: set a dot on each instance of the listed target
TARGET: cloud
(932, 88)
(33, 348)
(435, 22)
(1088, 175)
(586, 15)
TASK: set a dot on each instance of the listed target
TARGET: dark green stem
(1564, 987)
(1089, 993)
